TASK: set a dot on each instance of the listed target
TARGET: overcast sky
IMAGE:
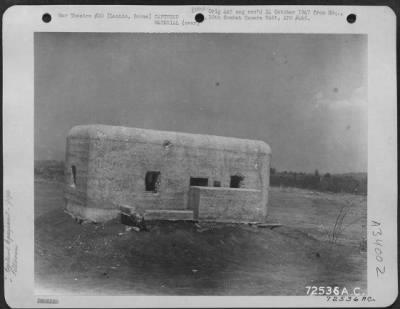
(304, 94)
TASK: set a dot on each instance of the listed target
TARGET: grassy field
(341, 218)
(321, 242)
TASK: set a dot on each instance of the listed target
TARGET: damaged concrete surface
(110, 166)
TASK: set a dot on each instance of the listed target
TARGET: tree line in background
(355, 183)
(50, 170)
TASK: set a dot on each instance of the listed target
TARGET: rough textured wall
(193, 201)
(77, 154)
(112, 162)
(75, 194)
(117, 172)
(226, 204)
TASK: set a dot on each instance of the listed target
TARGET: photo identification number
(331, 291)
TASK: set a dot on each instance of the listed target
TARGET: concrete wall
(117, 172)
(227, 205)
(75, 195)
(111, 169)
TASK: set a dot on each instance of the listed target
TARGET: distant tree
(316, 173)
(327, 175)
(272, 171)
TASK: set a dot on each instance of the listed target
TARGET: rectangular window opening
(198, 182)
(73, 175)
(236, 181)
(217, 183)
(152, 181)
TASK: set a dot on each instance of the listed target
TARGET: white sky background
(304, 94)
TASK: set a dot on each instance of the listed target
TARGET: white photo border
(19, 25)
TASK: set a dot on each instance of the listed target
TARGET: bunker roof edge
(130, 134)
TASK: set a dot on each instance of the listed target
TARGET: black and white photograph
(201, 163)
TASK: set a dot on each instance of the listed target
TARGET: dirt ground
(321, 242)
